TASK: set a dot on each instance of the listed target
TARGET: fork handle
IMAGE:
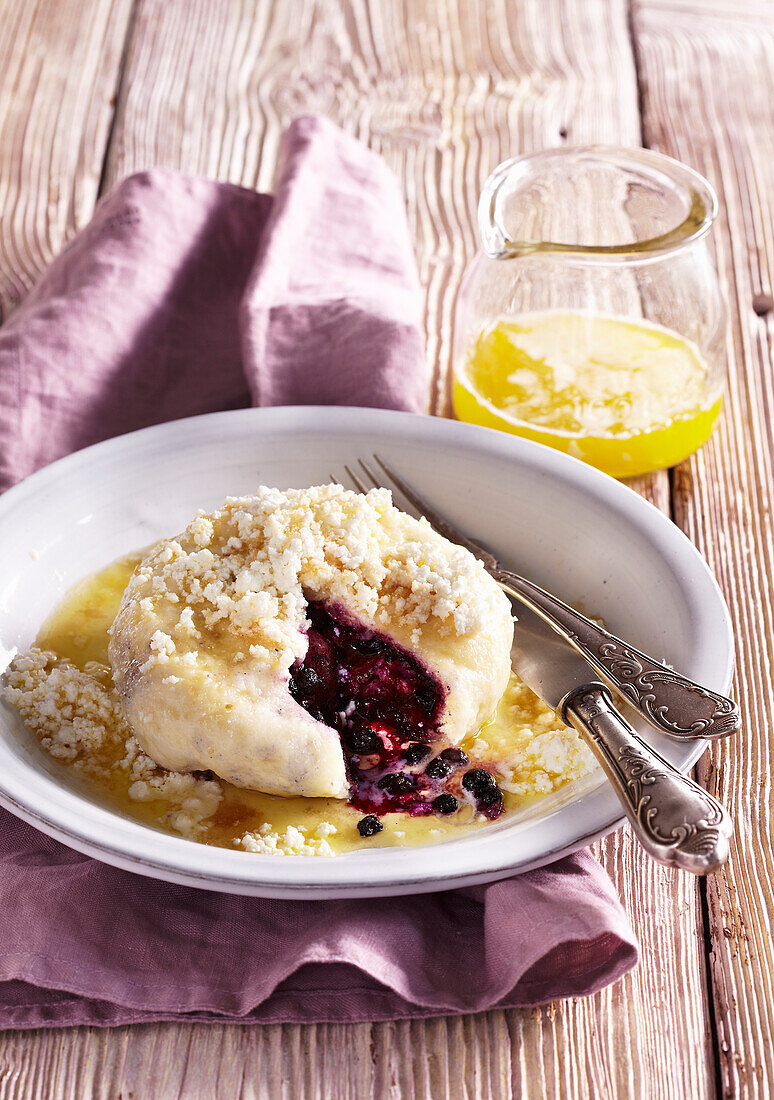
(676, 821)
(673, 704)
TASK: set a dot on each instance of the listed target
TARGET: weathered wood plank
(724, 497)
(444, 91)
(54, 121)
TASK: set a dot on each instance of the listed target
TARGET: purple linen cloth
(186, 296)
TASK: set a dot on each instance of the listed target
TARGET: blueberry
(396, 784)
(370, 647)
(369, 826)
(489, 796)
(375, 710)
(362, 711)
(455, 756)
(304, 682)
(401, 723)
(477, 780)
(363, 741)
(492, 810)
(445, 804)
(438, 768)
(416, 751)
(427, 697)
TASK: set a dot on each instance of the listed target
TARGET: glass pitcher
(592, 318)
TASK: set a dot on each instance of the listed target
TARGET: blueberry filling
(363, 741)
(387, 708)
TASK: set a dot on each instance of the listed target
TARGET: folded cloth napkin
(185, 296)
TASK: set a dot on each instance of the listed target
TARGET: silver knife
(676, 821)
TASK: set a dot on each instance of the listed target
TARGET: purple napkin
(185, 296)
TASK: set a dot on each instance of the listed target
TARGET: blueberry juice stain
(387, 708)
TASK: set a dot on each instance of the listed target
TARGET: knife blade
(544, 661)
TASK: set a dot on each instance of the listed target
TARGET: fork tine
(417, 502)
(441, 525)
(377, 484)
(359, 485)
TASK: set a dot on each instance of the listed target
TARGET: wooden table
(91, 90)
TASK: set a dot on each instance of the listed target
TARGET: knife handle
(676, 821)
(673, 704)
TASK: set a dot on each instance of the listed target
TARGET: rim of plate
(475, 857)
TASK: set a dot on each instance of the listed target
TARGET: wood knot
(763, 304)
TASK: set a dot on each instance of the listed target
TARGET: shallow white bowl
(558, 521)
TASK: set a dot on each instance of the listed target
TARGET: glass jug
(592, 319)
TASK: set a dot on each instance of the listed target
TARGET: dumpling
(299, 642)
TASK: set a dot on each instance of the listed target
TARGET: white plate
(558, 521)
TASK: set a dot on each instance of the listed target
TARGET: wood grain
(443, 104)
(445, 89)
(54, 122)
(723, 498)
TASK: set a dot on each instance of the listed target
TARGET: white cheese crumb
(162, 647)
(293, 842)
(78, 719)
(74, 715)
(250, 568)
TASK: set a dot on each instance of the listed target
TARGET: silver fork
(671, 703)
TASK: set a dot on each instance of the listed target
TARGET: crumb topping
(249, 569)
(75, 716)
(78, 719)
(295, 841)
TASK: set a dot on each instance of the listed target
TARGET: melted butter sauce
(78, 630)
(624, 394)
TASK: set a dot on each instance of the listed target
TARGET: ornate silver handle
(675, 820)
(672, 703)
